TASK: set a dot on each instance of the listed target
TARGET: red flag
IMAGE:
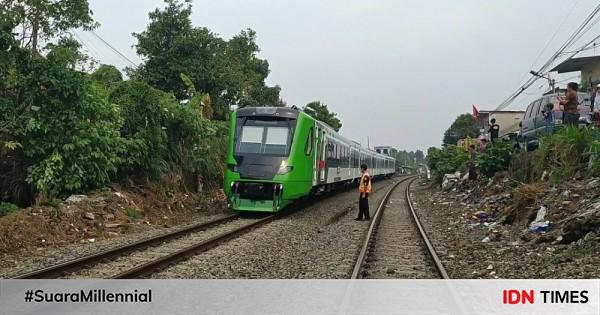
(475, 113)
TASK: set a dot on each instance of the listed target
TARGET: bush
(567, 152)
(446, 160)
(496, 158)
(65, 132)
(144, 129)
(163, 136)
(7, 208)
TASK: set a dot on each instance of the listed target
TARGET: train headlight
(232, 167)
(284, 168)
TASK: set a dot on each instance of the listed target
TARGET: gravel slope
(466, 256)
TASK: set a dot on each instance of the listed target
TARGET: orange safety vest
(362, 188)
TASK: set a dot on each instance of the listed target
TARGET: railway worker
(364, 189)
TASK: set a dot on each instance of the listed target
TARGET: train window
(309, 142)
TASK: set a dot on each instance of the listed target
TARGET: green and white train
(277, 155)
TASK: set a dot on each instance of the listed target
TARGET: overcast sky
(398, 72)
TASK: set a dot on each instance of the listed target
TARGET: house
(507, 119)
(589, 67)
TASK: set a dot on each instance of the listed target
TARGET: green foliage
(7, 208)
(107, 75)
(229, 71)
(464, 126)
(161, 135)
(320, 112)
(447, 160)
(585, 85)
(409, 158)
(566, 152)
(61, 134)
(132, 213)
(145, 114)
(201, 101)
(46, 19)
(496, 158)
(63, 131)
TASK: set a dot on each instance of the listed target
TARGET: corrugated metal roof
(575, 64)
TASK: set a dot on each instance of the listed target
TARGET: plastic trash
(541, 214)
(539, 225)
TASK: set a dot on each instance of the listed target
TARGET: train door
(319, 168)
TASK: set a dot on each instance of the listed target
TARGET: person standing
(595, 99)
(595, 105)
(569, 104)
(364, 189)
(494, 130)
(549, 118)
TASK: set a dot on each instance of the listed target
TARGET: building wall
(591, 70)
(508, 121)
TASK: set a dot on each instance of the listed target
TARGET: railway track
(396, 245)
(74, 266)
(148, 256)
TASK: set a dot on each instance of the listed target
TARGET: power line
(114, 49)
(87, 46)
(582, 29)
(552, 38)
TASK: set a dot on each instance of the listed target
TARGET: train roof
(285, 112)
(293, 113)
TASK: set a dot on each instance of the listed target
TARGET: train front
(260, 175)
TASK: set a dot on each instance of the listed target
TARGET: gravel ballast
(315, 242)
(398, 251)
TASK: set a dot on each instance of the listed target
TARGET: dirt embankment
(102, 214)
(503, 229)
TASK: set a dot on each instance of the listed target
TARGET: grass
(565, 153)
(7, 208)
(132, 213)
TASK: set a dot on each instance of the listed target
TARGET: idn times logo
(515, 296)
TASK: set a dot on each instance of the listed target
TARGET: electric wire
(577, 34)
(125, 58)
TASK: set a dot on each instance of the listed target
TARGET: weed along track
(396, 246)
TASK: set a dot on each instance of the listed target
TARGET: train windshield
(263, 135)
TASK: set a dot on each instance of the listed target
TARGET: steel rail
(70, 266)
(183, 254)
(372, 228)
(436, 260)
(375, 223)
(161, 263)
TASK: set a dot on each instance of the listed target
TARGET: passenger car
(277, 155)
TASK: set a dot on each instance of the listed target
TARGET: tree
(107, 75)
(229, 71)
(39, 20)
(464, 126)
(320, 112)
(419, 156)
(65, 133)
